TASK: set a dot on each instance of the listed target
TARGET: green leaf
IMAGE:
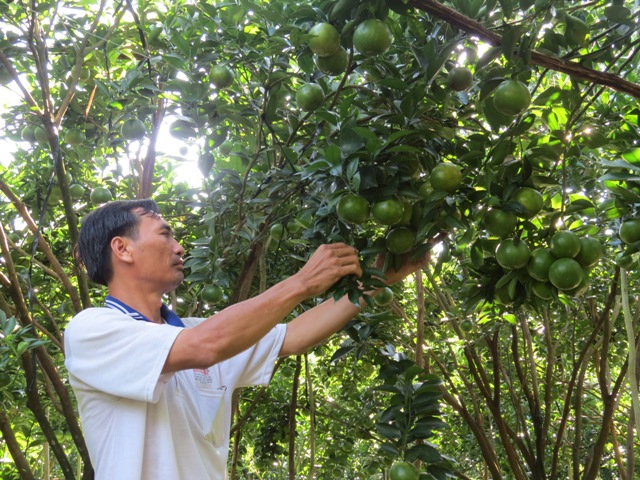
(632, 156)
(388, 431)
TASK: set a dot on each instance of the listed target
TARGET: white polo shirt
(140, 424)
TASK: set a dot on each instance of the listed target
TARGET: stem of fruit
(628, 322)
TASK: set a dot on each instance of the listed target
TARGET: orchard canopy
(501, 137)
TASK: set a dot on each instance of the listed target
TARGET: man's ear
(120, 249)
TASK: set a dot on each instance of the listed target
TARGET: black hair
(98, 228)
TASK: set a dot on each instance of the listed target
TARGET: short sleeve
(255, 365)
(109, 351)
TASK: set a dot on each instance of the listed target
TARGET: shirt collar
(169, 316)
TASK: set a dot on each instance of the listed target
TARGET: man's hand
(327, 265)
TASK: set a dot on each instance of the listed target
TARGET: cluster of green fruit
(371, 37)
(398, 215)
(561, 267)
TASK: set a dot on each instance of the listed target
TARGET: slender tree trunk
(293, 408)
(20, 460)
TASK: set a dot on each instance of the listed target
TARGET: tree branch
(573, 69)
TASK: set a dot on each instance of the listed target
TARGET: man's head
(114, 219)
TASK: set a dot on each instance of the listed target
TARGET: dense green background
(531, 388)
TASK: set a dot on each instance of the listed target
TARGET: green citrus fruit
(56, 194)
(100, 195)
(459, 79)
(133, 129)
(221, 76)
(309, 97)
(590, 251)
(212, 294)
(499, 223)
(565, 244)
(446, 177)
(543, 290)
(425, 190)
(630, 231)
(400, 240)
(76, 190)
(40, 134)
(325, 39)
(372, 37)
(276, 231)
(512, 254)
(388, 212)
(384, 297)
(531, 201)
(624, 261)
(334, 64)
(28, 134)
(466, 325)
(182, 129)
(511, 97)
(403, 471)
(539, 263)
(353, 208)
(14, 237)
(74, 137)
(565, 274)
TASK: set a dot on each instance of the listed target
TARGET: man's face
(156, 254)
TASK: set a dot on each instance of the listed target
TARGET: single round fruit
(309, 97)
(133, 129)
(565, 274)
(499, 223)
(28, 134)
(400, 240)
(221, 76)
(276, 231)
(384, 297)
(543, 290)
(353, 208)
(14, 237)
(56, 194)
(40, 134)
(539, 263)
(512, 254)
(388, 212)
(624, 261)
(74, 137)
(446, 177)
(403, 471)
(466, 325)
(325, 39)
(100, 195)
(590, 251)
(334, 64)
(565, 244)
(212, 294)
(459, 79)
(372, 37)
(76, 190)
(511, 97)
(531, 201)
(630, 231)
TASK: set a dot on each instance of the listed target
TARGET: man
(154, 391)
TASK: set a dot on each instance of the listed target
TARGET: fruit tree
(500, 137)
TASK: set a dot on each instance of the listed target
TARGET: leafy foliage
(124, 96)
